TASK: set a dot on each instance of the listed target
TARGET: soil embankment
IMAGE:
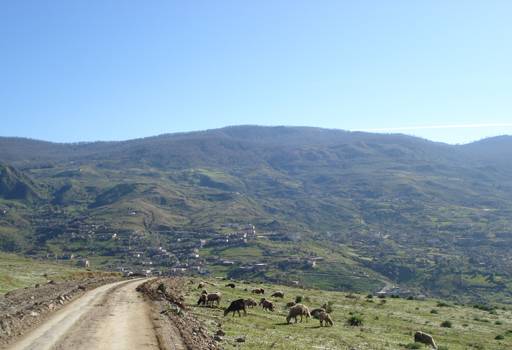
(24, 309)
(174, 322)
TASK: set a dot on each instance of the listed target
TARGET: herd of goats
(296, 310)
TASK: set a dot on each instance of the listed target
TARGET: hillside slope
(376, 208)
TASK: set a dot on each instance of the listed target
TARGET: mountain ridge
(375, 203)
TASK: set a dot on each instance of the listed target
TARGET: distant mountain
(386, 207)
(491, 150)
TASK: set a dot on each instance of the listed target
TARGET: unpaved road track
(113, 316)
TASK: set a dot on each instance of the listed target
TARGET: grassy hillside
(18, 272)
(377, 208)
(386, 323)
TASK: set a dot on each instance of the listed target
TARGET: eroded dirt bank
(172, 319)
(24, 309)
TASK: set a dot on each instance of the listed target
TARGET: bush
(369, 296)
(443, 304)
(298, 299)
(482, 307)
(446, 324)
(410, 297)
(499, 337)
(434, 311)
(413, 346)
(442, 347)
(355, 321)
(498, 323)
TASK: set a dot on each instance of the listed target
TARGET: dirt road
(114, 316)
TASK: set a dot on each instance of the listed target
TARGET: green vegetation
(355, 321)
(388, 326)
(18, 272)
(446, 324)
(378, 209)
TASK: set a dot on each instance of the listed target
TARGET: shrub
(355, 321)
(413, 346)
(442, 347)
(434, 311)
(298, 299)
(482, 307)
(499, 337)
(410, 297)
(446, 324)
(369, 296)
(443, 304)
(498, 323)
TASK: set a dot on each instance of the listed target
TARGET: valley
(344, 211)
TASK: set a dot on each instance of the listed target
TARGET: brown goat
(325, 317)
(250, 302)
(236, 306)
(316, 312)
(422, 337)
(230, 285)
(298, 310)
(258, 291)
(278, 294)
(209, 299)
(266, 304)
(213, 298)
(202, 299)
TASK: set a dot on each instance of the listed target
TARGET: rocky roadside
(176, 327)
(24, 309)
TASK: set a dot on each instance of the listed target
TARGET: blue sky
(111, 70)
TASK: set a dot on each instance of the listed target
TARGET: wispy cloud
(446, 126)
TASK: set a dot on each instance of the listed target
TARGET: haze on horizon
(87, 71)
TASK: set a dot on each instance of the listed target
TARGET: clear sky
(109, 70)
